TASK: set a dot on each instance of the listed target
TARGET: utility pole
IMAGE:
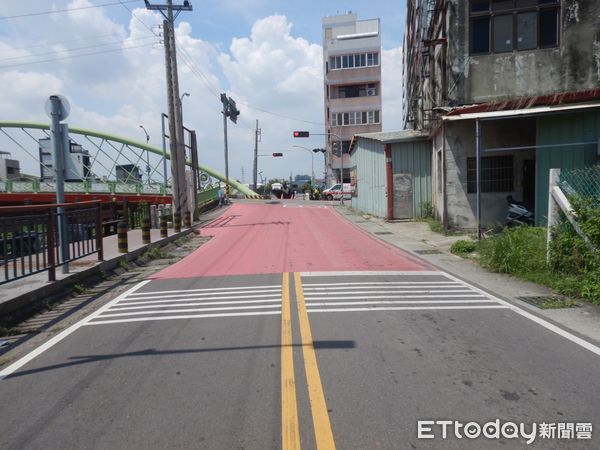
(229, 110)
(176, 139)
(256, 139)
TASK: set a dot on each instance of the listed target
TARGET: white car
(335, 192)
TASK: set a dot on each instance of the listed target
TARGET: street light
(147, 152)
(312, 164)
(185, 94)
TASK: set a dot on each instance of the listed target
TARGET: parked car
(335, 192)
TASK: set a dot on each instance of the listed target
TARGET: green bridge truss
(115, 149)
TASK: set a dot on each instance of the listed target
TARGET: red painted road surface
(250, 239)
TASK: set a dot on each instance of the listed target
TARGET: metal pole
(195, 170)
(341, 169)
(59, 134)
(478, 158)
(171, 116)
(164, 147)
(255, 171)
(226, 154)
(312, 170)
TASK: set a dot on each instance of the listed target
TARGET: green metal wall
(407, 157)
(563, 129)
(415, 157)
(369, 160)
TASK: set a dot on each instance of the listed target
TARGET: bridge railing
(29, 241)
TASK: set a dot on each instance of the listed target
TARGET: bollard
(177, 222)
(187, 219)
(163, 227)
(153, 217)
(122, 237)
(146, 231)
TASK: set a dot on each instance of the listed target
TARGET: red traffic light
(277, 154)
(298, 134)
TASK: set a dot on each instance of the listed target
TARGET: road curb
(57, 288)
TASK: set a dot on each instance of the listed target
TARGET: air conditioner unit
(371, 92)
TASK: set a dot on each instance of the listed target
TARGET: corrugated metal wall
(563, 129)
(369, 160)
(415, 158)
(407, 157)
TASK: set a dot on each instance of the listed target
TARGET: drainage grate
(383, 232)
(428, 252)
(549, 302)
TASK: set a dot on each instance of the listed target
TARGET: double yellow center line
(290, 432)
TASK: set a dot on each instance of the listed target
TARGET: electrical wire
(47, 44)
(66, 50)
(18, 16)
(74, 56)
(188, 61)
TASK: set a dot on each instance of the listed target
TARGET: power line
(75, 49)
(188, 60)
(74, 56)
(47, 44)
(18, 16)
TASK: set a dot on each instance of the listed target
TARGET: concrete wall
(572, 66)
(459, 145)
(369, 160)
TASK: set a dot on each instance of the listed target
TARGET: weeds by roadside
(572, 269)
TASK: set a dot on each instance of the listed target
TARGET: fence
(580, 187)
(585, 183)
(29, 237)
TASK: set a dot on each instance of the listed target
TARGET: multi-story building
(9, 168)
(506, 89)
(352, 86)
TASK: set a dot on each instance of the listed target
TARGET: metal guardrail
(29, 242)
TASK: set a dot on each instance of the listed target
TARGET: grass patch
(9, 331)
(559, 303)
(156, 253)
(437, 227)
(79, 289)
(522, 252)
(123, 264)
(463, 248)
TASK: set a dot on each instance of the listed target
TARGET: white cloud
(116, 92)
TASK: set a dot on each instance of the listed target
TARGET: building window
(498, 26)
(497, 174)
(354, 118)
(354, 60)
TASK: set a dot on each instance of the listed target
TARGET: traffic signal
(277, 154)
(298, 134)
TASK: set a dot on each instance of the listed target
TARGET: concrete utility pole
(256, 139)
(229, 110)
(176, 139)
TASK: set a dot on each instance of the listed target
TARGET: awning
(535, 111)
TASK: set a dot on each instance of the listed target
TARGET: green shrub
(463, 247)
(516, 251)
(426, 210)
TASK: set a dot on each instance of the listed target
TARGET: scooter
(518, 213)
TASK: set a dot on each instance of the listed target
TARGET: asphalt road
(291, 328)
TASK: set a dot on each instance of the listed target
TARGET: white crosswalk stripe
(391, 292)
(193, 304)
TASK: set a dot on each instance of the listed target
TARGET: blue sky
(264, 53)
